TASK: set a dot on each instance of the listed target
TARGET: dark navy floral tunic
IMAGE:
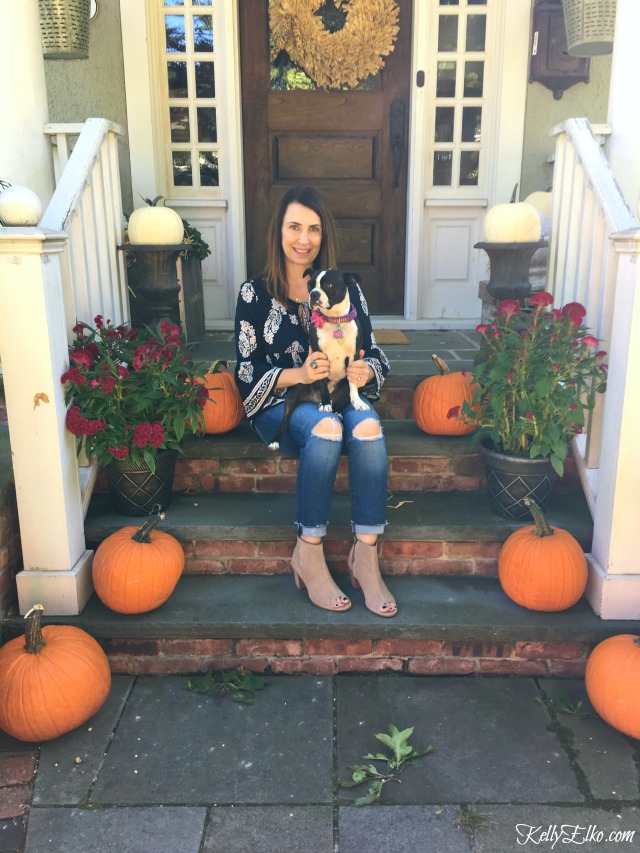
(271, 337)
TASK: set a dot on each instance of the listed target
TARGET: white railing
(588, 209)
(87, 206)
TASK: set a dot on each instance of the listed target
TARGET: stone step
(444, 626)
(239, 461)
(430, 533)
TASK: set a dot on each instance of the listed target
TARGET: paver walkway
(163, 769)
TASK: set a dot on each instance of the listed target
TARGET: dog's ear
(352, 278)
(307, 272)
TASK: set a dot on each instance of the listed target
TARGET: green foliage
(401, 756)
(471, 820)
(538, 371)
(197, 247)
(236, 683)
(562, 703)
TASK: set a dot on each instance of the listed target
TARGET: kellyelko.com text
(567, 833)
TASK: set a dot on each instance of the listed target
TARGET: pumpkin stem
(34, 641)
(442, 365)
(542, 525)
(218, 366)
(142, 534)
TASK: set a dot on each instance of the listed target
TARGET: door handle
(396, 125)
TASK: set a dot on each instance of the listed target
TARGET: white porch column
(613, 589)
(624, 115)
(33, 348)
(25, 152)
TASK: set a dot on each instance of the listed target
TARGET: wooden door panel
(300, 157)
(339, 142)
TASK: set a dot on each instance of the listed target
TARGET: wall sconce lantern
(551, 64)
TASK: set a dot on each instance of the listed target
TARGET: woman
(273, 353)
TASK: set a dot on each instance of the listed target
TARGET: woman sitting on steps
(272, 354)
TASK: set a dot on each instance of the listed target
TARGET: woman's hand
(315, 367)
(359, 372)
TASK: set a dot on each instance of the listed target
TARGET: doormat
(390, 336)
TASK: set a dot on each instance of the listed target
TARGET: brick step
(444, 626)
(240, 462)
(431, 533)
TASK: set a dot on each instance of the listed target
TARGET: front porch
(236, 604)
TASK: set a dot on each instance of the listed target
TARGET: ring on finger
(359, 378)
(313, 364)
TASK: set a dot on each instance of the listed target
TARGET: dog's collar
(319, 319)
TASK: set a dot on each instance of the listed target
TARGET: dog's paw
(360, 406)
(275, 445)
(327, 408)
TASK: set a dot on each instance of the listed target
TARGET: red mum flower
(81, 357)
(590, 341)
(142, 434)
(482, 328)
(119, 452)
(541, 299)
(75, 376)
(454, 412)
(509, 308)
(157, 434)
(575, 312)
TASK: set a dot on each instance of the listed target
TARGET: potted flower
(538, 371)
(132, 393)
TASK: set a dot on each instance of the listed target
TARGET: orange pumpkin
(542, 567)
(224, 409)
(436, 395)
(611, 679)
(136, 569)
(51, 681)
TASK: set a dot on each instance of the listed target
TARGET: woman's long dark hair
(275, 273)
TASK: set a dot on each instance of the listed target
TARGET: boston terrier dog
(336, 332)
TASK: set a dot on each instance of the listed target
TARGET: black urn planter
(509, 268)
(136, 490)
(511, 479)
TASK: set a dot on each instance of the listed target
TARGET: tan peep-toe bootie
(310, 572)
(365, 575)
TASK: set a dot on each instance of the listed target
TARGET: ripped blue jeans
(319, 455)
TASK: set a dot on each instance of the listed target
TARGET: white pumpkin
(512, 223)
(541, 201)
(155, 226)
(20, 206)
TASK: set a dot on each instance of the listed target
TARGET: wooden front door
(350, 144)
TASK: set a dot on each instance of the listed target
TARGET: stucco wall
(543, 113)
(79, 89)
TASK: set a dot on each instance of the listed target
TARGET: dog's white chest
(338, 342)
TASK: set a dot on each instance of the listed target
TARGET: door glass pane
(449, 2)
(471, 124)
(205, 80)
(208, 169)
(447, 33)
(174, 2)
(203, 33)
(446, 80)
(469, 168)
(444, 124)
(177, 78)
(179, 120)
(175, 34)
(201, 2)
(476, 2)
(442, 163)
(473, 79)
(207, 130)
(182, 168)
(476, 32)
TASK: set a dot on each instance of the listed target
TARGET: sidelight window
(188, 91)
(459, 72)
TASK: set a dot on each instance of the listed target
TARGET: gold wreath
(342, 58)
